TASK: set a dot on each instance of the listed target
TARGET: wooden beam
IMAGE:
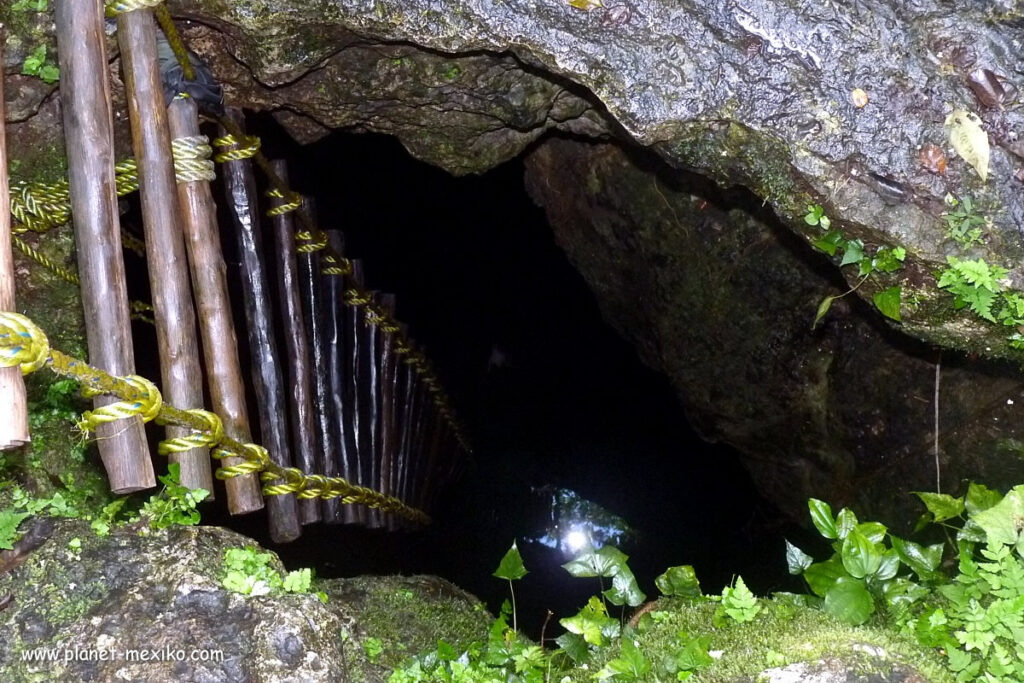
(338, 371)
(216, 325)
(312, 290)
(89, 140)
(13, 403)
(299, 370)
(271, 398)
(180, 373)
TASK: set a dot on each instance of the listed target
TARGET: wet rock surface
(757, 94)
(722, 300)
(161, 595)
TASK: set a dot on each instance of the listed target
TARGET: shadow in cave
(479, 279)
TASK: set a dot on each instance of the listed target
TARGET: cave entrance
(558, 406)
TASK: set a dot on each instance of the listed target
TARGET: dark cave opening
(476, 271)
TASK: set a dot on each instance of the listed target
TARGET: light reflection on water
(574, 523)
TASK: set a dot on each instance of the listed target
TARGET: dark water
(475, 267)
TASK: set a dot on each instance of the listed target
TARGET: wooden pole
(240, 186)
(13, 402)
(388, 409)
(406, 414)
(374, 401)
(364, 376)
(353, 371)
(316, 334)
(410, 410)
(165, 245)
(299, 371)
(338, 370)
(89, 139)
(220, 344)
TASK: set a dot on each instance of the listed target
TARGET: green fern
(974, 284)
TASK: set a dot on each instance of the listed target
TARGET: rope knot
(22, 343)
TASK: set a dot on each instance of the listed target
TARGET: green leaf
(631, 665)
(1002, 523)
(901, 591)
(574, 646)
(511, 566)
(373, 647)
(830, 242)
(823, 307)
(821, 576)
(681, 581)
(888, 568)
(873, 531)
(298, 581)
(821, 515)
(888, 260)
(50, 73)
(845, 522)
(797, 559)
(848, 600)
(625, 590)
(814, 214)
(924, 561)
(694, 655)
(9, 522)
(888, 302)
(852, 253)
(980, 497)
(34, 61)
(739, 603)
(942, 506)
(592, 622)
(861, 557)
(605, 562)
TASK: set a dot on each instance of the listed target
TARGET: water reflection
(574, 523)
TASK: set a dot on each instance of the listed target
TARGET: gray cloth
(204, 89)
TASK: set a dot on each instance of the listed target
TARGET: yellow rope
(192, 159)
(120, 6)
(249, 149)
(293, 202)
(41, 207)
(23, 344)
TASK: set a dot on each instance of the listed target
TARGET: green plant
(885, 260)
(36, 64)
(975, 617)
(10, 520)
(963, 225)
(374, 648)
(512, 569)
(816, 216)
(174, 504)
(862, 569)
(738, 604)
(30, 6)
(630, 665)
(981, 288)
(249, 572)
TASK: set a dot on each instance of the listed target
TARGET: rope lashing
(334, 265)
(24, 344)
(120, 6)
(294, 201)
(145, 401)
(192, 159)
(310, 241)
(210, 436)
(41, 206)
(233, 150)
